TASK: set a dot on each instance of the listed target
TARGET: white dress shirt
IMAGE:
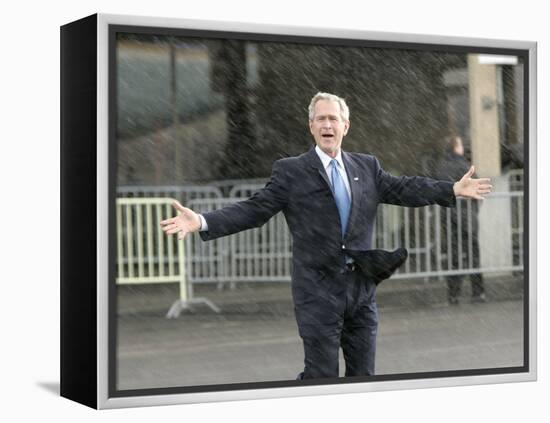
(326, 159)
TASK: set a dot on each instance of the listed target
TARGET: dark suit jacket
(299, 187)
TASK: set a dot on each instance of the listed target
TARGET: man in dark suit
(329, 199)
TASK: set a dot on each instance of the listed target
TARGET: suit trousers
(346, 316)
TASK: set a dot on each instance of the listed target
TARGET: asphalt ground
(255, 338)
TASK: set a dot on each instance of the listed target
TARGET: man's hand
(187, 221)
(472, 188)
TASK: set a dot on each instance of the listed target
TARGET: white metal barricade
(146, 255)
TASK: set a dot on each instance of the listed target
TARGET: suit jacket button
(343, 247)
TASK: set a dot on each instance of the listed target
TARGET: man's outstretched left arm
(417, 191)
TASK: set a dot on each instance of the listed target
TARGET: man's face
(327, 127)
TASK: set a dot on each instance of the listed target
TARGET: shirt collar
(326, 159)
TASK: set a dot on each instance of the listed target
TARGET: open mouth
(328, 136)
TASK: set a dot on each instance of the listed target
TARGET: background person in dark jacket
(453, 166)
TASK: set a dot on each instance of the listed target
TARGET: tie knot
(334, 163)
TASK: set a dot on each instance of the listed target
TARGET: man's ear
(346, 127)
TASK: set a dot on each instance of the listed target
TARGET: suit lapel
(317, 169)
(355, 183)
(316, 166)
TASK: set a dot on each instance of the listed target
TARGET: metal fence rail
(183, 194)
(258, 255)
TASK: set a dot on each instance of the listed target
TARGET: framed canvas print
(254, 211)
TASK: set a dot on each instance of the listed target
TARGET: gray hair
(344, 109)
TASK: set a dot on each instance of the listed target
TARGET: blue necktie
(340, 195)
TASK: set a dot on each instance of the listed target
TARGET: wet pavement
(255, 338)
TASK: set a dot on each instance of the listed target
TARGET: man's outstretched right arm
(233, 218)
(250, 213)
